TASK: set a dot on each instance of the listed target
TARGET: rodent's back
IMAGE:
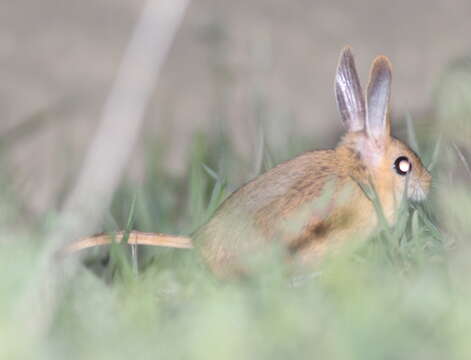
(258, 211)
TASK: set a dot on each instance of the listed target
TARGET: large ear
(350, 100)
(378, 127)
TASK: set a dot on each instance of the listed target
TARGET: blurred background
(241, 66)
(246, 84)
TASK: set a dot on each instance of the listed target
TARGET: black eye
(402, 165)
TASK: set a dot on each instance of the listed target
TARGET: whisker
(462, 158)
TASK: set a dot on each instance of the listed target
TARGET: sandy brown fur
(284, 204)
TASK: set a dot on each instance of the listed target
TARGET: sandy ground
(233, 61)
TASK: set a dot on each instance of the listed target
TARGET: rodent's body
(316, 201)
(287, 204)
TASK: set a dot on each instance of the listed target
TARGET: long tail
(135, 237)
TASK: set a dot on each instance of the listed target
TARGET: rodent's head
(388, 162)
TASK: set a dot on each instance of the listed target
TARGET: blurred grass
(403, 294)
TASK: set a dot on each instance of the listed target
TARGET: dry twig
(107, 156)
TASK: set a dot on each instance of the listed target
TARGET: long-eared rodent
(316, 201)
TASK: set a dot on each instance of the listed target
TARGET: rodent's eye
(402, 165)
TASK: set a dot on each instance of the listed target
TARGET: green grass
(403, 294)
